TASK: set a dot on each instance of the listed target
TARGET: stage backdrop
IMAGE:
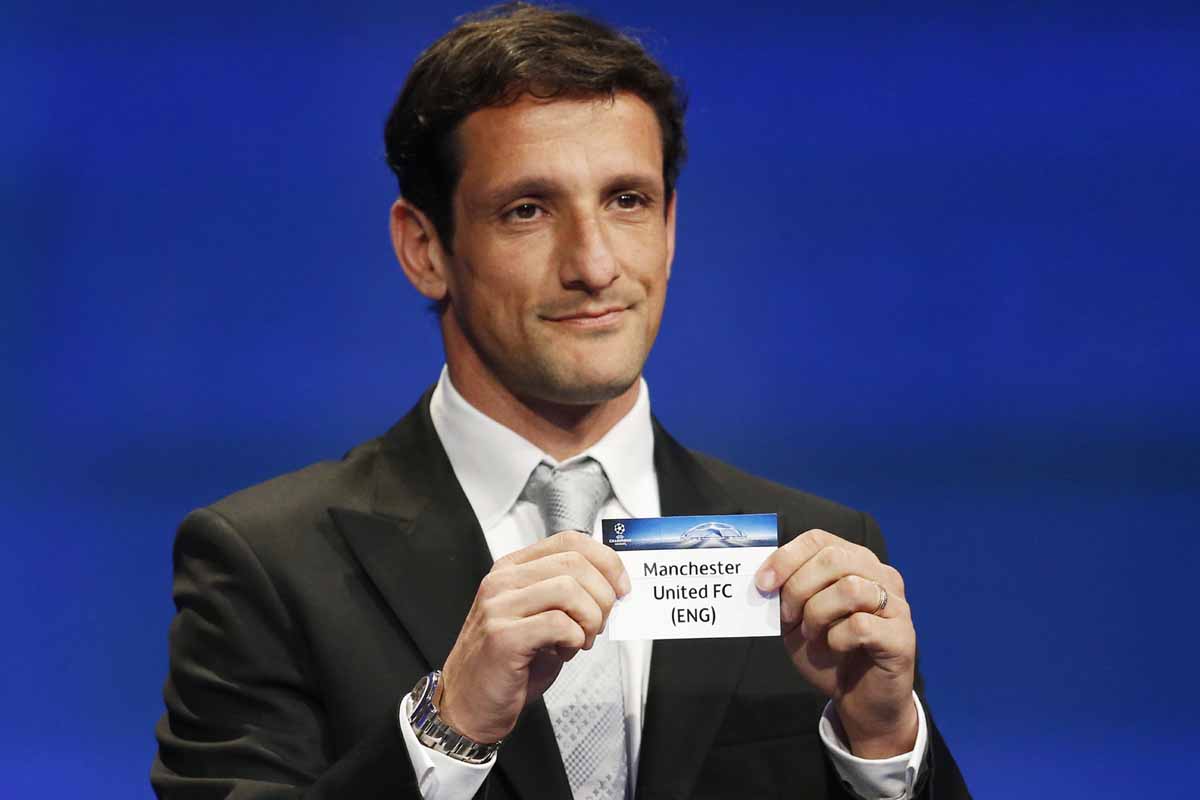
(937, 263)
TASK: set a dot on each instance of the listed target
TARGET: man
(424, 618)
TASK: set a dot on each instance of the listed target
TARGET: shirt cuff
(439, 776)
(875, 779)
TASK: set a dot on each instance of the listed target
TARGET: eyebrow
(535, 186)
(650, 184)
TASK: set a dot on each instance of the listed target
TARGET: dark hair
(493, 58)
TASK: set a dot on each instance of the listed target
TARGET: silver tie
(586, 701)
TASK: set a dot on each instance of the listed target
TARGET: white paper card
(693, 577)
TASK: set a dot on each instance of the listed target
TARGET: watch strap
(433, 732)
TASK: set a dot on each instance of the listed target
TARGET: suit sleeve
(244, 716)
(939, 778)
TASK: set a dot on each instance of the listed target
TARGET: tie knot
(568, 497)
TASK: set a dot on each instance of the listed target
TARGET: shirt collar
(493, 463)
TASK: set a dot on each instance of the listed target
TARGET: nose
(586, 255)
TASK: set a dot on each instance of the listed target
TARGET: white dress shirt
(493, 464)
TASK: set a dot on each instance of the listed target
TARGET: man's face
(562, 247)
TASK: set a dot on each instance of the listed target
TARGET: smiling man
(425, 617)
(555, 275)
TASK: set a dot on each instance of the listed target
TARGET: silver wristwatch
(437, 735)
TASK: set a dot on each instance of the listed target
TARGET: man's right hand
(533, 612)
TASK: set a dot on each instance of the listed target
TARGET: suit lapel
(418, 542)
(691, 680)
(422, 547)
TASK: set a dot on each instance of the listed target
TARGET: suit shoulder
(300, 500)
(744, 485)
(799, 510)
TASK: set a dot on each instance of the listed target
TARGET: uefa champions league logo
(714, 532)
(619, 530)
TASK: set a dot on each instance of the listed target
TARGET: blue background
(945, 257)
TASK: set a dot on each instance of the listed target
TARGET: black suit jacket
(308, 605)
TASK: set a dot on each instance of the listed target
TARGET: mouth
(589, 318)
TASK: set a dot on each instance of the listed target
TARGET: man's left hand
(841, 641)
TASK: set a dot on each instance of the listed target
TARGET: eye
(630, 201)
(523, 212)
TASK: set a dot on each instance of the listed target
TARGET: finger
(780, 565)
(568, 563)
(892, 580)
(827, 567)
(847, 596)
(882, 639)
(552, 629)
(603, 558)
(560, 592)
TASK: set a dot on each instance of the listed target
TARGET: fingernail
(626, 587)
(765, 580)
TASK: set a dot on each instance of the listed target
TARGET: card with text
(693, 577)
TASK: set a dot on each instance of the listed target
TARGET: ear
(671, 230)
(418, 249)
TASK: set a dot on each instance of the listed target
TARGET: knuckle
(559, 622)
(567, 629)
(814, 615)
(570, 560)
(492, 630)
(851, 589)
(490, 585)
(487, 608)
(823, 536)
(808, 542)
(576, 637)
(593, 618)
(829, 557)
(571, 597)
(574, 539)
(796, 590)
(611, 562)
(563, 585)
(607, 596)
(817, 612)
(859, 626)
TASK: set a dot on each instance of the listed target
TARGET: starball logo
(714, 531)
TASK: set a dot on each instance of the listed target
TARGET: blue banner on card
(691, 533)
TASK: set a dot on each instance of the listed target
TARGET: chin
(570, 387)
